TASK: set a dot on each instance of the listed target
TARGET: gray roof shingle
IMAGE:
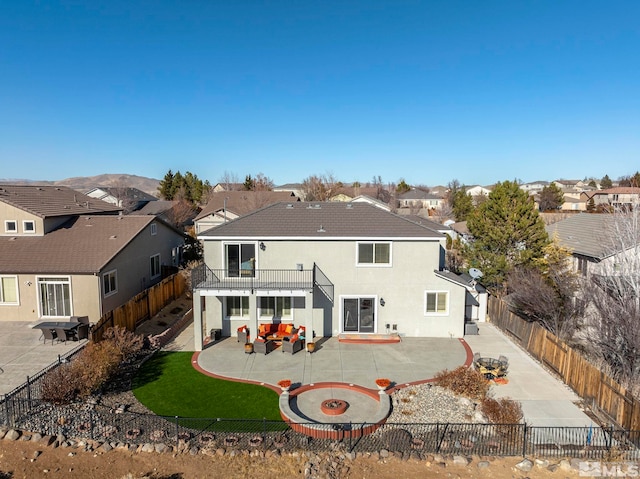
(48, 201)
(84, 244)
(322, 221)
(585, 234)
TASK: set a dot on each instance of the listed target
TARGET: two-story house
(63, 253)
(335, 268)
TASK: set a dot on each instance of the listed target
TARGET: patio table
(490, 367)
(66, 325)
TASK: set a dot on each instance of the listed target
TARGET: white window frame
(24, 227)
(374, 264)
(113, 273)
(376, 302)
(225, 259)
(154, 229)
(151, 266)
(241, 315)
(58, 280)
(436, 313)
(10, 230)
(2, 298)
(275, 307)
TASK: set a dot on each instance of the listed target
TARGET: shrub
(99, 361)
(60, 385)
(502, 411)
(465, 382)
(128, 344)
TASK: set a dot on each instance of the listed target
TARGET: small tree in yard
(548, 292)
(551, 198)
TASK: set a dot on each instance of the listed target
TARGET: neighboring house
(618, 197)
(63, 253)
(180, 214)
(348, 193)
(571, 203)
(477, 190)
(296, 188)
(227, 205)
(417, 198)
(218, 187)
(335, 268)
(130, 199)
(460, 230)
(371, 201)
(534, 187)
(588, 236)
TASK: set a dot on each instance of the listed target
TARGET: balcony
(205, 278)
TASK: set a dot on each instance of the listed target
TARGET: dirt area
(20, 459)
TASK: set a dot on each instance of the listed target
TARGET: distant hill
(84, 183)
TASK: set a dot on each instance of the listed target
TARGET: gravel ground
(426, 403)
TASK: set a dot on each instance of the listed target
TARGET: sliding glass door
(358, 315)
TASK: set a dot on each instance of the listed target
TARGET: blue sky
(480, 91)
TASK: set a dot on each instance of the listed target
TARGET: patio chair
(476, 356)
(263, 346)
(292, 346)
(82, 332)
(505, 362)
(49, 334)
(61, 335)
(243, 334)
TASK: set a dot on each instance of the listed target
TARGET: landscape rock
(12, 435)
(147, 448)
(460, 461)
(525, 465)
(161, 447)
(565, 465)
(483, 464)
(106, 447)
(36, 437)
(384, 453)
(541, 463)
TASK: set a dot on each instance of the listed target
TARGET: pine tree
(462, 205)
(605, 182)
(507, 232)
(166, 185)
(551, 198)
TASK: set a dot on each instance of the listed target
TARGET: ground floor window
(155, 266)
(237, 306)
(436, 302)
(55, 296)
(8, 290)
(110, 283)
(275, 306)
(358, 315)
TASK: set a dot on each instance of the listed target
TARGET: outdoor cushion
(263, 329)
(295, 337)
(288, 329)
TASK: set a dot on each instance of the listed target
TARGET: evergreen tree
(507, 232)
(605, 182)
(591, 205)
(402, 187)
(551, 198)
(462, 205)
(165, 187)
(248, 184)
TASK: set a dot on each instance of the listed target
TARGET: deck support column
(197, 320)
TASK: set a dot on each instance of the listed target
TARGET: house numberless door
(358, 315)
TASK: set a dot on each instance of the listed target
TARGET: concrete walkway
(546, 401)
(22, 354)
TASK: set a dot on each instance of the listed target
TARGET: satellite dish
(475, 273)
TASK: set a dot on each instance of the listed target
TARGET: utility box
(216, 334)
(470, 328)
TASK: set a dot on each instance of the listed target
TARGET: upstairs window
(10, 226)
(374, 253)
(154, 229)
(28, 226)
(240, 259)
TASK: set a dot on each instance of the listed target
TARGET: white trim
(6, 226)
(224, 308)
(374, 264)
(10, 303)
(248, 239)
(62, 280)
(224, 254)
(24, 228)
(342, 297)
(436, 313)
(113, 291)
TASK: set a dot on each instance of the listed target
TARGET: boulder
(12, 435)
(525, 465)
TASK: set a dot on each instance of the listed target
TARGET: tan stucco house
(65, 254)
(334, 268)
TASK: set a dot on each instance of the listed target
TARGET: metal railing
(203, 277)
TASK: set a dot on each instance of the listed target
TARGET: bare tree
(615, 298)
(229, 180)
(320, 187)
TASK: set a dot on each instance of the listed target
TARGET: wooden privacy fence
(142, 306)
(589, 382)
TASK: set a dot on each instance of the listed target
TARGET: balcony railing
(203, 277)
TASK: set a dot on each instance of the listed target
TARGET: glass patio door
(241, 259)
(358, 315)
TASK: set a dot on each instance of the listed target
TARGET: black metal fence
(23, 409)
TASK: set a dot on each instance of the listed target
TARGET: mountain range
(85, 183)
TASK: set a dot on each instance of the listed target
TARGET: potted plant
(383, 383)
(311, 347)
(284, 384)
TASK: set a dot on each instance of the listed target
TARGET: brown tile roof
(322, 220)
(84, 244)
(243, 202)
(47, 201)
(620, 190)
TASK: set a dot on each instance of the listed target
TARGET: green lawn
(170, 386)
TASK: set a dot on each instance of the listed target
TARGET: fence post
(177, 432)
(6, 410)
(610, 440)
(264, 432)
(524, 441)
(29, 392)
(91, 424)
